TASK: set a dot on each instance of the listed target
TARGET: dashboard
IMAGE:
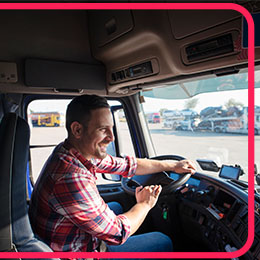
(210, 211)
(217, 213)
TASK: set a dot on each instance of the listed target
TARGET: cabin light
(8, 72)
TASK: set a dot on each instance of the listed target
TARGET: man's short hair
(79, 109)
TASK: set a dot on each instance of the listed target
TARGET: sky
(205, 100)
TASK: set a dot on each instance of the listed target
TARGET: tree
(162, 110)
(233, 103)
(191, 103)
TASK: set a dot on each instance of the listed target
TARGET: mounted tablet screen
(229, 172)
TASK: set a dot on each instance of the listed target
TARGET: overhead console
(217, 44)
(209, 48)
(136, 71)
(142, 46)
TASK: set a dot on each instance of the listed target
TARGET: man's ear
(76, 129)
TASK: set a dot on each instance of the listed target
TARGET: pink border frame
(185, 6)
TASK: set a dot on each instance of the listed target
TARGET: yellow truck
(48, 119)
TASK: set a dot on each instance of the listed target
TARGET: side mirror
(257, 176)
(111, 177)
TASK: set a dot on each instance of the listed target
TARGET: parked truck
(153, 118)
(241, 125)
(230, 123)
(172, 118)
(46, 119)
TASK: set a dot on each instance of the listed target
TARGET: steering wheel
(169, 185)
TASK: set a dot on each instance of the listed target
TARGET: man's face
(98, 134)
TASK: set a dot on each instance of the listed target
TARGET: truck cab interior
(134, 58)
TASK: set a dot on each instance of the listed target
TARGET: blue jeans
(148, 242)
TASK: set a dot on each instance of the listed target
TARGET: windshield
(210, 125)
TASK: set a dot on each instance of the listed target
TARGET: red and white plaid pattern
(66, 209)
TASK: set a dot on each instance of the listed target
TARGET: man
(67, 211)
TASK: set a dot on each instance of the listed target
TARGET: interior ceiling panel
(129, 41)
(183, 27)
(57, 35)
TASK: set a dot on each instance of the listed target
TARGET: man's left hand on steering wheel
(184, 166)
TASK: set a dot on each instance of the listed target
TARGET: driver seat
(22, 236)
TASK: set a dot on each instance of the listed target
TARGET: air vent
(210, 48)
(133, 72)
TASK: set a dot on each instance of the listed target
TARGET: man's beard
(101, 154)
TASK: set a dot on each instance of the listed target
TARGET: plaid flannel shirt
(66, 209)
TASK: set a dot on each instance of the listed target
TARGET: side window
(47, 124)
(46, 119)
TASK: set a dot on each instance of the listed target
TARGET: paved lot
(228, 149)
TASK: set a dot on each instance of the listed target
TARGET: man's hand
(147, 166)
(148, 195)
(184, 166)
(146, 199)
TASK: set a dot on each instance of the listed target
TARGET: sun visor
(64, 75)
